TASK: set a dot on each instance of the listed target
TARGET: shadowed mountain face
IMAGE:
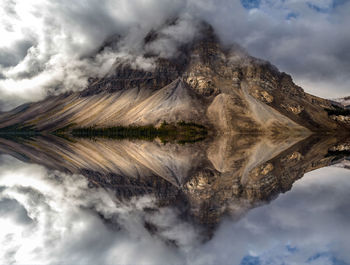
(222, 87)
(205, 180)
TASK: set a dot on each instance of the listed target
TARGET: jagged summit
(126, 73)
(222, 87)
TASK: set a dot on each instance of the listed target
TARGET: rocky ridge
(222, 87)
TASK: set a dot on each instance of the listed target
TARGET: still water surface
(229, 200)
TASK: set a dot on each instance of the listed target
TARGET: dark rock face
(127, 188)
(125, 78)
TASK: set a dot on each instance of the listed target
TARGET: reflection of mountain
(226, 174)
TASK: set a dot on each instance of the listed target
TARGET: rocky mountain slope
(220, 87)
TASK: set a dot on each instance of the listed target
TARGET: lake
(229, 199)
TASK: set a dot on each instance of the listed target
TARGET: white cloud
(51, 45)
(55, 218)
(306, 221)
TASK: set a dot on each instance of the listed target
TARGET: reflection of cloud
(53, 218)
(310, 219)
(48, 217)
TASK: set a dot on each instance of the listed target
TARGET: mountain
(205, 82)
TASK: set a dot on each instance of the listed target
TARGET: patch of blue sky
(291, 249)
(318, 8)
(250, 4)
(250, 260)
(281, 257)
(326, 256)
(329, 8)
(336, 3)
(292, 15)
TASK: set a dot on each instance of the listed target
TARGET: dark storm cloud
(51, 45)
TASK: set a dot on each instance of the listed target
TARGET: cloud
(53, 218)
(51, 45)
(310, 45)
(304, 226)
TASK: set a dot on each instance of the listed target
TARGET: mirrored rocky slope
(205, 180)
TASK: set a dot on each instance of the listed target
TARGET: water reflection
(98, 201)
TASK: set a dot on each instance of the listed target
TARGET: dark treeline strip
(182, 132)
(17, 132)
(119, 132)
(338, 111)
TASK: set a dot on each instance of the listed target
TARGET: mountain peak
(223, 87)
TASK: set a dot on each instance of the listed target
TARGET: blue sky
(319, 6)
(249, 4)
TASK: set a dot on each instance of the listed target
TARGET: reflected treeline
(205, 180)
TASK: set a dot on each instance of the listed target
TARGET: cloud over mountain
(54, 46)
